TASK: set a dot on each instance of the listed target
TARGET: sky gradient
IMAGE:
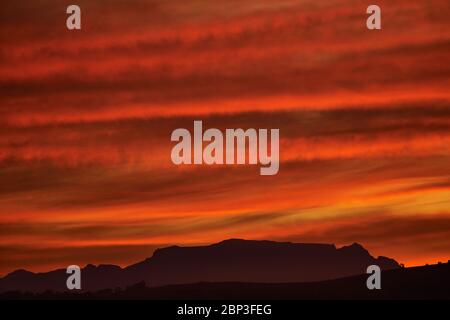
(86, 118)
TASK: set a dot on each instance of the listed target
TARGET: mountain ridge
(230, 260)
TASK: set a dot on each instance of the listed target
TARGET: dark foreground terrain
(427, 282)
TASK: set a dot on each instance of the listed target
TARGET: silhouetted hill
(228, 261)
(428, 282)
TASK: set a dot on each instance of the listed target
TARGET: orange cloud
(86, 117)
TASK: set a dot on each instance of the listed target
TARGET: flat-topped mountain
(231, 260)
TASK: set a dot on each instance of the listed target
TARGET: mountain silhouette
(231, 260)
(428, 282)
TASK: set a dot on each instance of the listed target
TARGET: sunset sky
(86, 118)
